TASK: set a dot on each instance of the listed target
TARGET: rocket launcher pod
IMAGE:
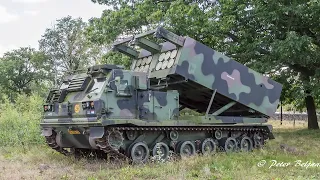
(207, 81)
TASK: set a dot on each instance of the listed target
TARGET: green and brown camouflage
(89, 107)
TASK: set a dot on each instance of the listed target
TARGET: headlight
(88, 105)
(48, 108)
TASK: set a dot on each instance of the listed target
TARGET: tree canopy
(62, 48)
(280, 38)
(67, 46)
(22, 70)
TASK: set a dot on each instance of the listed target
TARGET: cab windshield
(98, 84)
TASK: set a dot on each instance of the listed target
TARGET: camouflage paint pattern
(210, 69)
(180, 71)
(123, 94)
(231, 79)
(116, 96)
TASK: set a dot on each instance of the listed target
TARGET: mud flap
(46, 132)
(95, 132)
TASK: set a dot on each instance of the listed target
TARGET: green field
(40, 162)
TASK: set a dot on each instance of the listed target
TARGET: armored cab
(130, 113)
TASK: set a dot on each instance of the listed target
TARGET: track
(112, 141)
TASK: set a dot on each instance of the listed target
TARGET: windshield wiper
(93, 90)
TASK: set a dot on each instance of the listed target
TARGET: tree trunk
(311, 110)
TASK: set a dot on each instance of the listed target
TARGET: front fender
(96, 132)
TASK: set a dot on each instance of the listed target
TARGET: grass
(40, 162)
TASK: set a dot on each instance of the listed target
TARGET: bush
(19, 121)
(189, 112)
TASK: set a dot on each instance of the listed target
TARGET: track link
(104, 145)
(51, 142)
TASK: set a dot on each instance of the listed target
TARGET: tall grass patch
(19, 121)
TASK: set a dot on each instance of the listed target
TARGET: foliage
(19, 122)
(22, 70)
(67, 46)
(279, 39)
(189, 112)
(116, 58)
(133, 18)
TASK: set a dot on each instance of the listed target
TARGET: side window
(123, 88)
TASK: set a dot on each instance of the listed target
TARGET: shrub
(19, 121)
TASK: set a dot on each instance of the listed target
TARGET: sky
(22, 22)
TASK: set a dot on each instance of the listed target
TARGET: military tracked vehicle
(133, 113)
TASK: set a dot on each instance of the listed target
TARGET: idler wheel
(139, 152)
(246, 144)
(161, 150)
(186, 148)
(208, 146)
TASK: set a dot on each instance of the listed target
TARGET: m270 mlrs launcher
(134, 113)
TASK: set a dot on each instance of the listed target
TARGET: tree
(280, 38)
(67, 46)
(23, 69)
(116, 58)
